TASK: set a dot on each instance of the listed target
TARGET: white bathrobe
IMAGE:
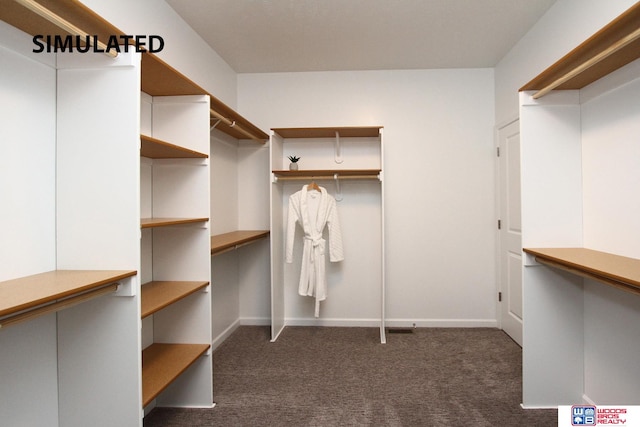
(314, 210)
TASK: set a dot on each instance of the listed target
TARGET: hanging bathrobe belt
(318, 243)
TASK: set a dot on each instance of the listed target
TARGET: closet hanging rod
(57, 306)
(607, 281)
(233, 124)
(62, 23)
(630, 38)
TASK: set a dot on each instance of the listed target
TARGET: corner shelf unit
(352, 158)
(573, 172)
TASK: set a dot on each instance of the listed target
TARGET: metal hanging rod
(62, 23)
(57, 306)
(233, 124)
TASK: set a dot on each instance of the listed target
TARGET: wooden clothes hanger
(313, 186)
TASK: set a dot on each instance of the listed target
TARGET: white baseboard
(537, 407)
(255, 321)
(442, 323)
(224, 335)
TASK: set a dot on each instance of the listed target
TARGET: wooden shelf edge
(614, 270)
(594, 46)
(164, 363)
(228, 241)
(327, 173)
(164, 222)
(161, 79)
(329, 132)
(158, 77)
(157, 295)
(154, 148)
(32, 292)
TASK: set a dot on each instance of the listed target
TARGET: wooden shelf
(163, 222)
(329, 132)
(591, 48)
(161, 79)
(158, 77)
(34, 291)
(163, 363)
(614, 270)
(157, 149)
(223, 242)
(328, 173)
(157, 295)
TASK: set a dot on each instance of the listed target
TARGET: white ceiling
(258, 36)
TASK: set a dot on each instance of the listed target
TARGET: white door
(510, 241)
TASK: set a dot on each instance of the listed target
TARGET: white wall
(440, 219)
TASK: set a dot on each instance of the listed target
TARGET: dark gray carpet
(345, 377)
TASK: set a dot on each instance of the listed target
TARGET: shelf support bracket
(338, 155)
(215, 124)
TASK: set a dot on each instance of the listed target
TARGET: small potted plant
(294, 163)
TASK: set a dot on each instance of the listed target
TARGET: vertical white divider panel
(383, 263)
(551, 181)
(277, 240)
(28, 367)
(181, 188)
(99, 354)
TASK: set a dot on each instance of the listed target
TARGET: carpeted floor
(344, 377)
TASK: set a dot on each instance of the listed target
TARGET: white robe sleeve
(292, 218)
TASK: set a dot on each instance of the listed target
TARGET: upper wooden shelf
(158, 77)
(163, 222)
(329, 132)
(33, 292)
(614, 46)
(157, 295)
(223, 242)
(614, 270)
(158, 149)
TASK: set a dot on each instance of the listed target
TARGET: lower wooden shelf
(613, 270)
(224, 242)
(163, 363)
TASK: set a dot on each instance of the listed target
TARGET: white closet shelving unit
(75, 356)
(112, 315)
(578, 106)
(175, 270)
(348, 161)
